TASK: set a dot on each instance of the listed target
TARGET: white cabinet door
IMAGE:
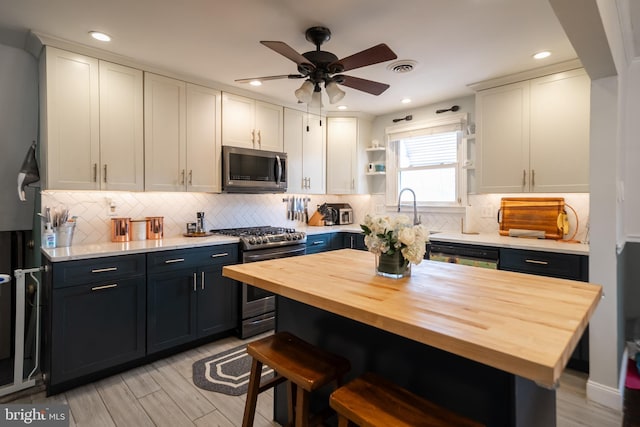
(342, 138)
(268, 127)
(305, 145)
(121, 128)
(559, 156)
(315, 153)
(293, 136)
(503, 137)
(165, 135)
(251, 124)
(71, 128)
(203, 139)
(238, 121)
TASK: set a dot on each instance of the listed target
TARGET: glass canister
(155, 226)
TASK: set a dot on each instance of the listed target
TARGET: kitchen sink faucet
(416, 218)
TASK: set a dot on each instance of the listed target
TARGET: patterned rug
(226, 372)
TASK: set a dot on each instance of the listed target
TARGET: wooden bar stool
(306, 367)
(371, 401)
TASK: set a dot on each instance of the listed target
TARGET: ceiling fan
(318, 66)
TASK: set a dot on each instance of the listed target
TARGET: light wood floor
(163, 394)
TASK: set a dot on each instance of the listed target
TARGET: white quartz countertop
(104, 249)
(495, 239)
(98, 250)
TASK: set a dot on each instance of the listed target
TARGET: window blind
(428, 150)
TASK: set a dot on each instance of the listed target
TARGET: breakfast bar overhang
(490, 345)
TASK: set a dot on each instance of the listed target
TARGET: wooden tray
(203, 234)
(531, 213)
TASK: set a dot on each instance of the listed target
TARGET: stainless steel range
(260, 244)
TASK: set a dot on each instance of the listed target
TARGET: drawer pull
(535, 261)
(171, 261)
(219, 255)
(104, 270)
(317, 242)
(100, 288)
(195, 279)
(202, 280)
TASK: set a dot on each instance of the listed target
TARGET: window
(426, 157)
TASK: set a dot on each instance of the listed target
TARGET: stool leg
(252, 394)
(342, 421)
(291, 404)
(302, 408)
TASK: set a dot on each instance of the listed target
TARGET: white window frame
(392, 133)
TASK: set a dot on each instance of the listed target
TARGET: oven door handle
(272, 255)
(278, 170)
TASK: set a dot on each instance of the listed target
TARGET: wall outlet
(112, 209)
(487, 211)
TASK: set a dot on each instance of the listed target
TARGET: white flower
(383, 234)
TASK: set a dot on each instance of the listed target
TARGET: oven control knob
(288, 236)
(252, 240)
(296, 236)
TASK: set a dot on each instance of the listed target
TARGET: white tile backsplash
(243, 210)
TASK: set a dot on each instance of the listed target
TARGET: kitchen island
(488, 344)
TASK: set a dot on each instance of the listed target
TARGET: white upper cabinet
(251, 124)
(182, 136)
(305, 145)
(533, 136)
(559, 146)
(204, 164)
(165, 144)
(92, 135)
(121, 128)
(342, 156)
(70, 141)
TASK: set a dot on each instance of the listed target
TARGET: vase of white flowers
(396, 242)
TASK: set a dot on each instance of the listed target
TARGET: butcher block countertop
(523, 324)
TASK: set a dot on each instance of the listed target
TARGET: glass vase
(394, 266)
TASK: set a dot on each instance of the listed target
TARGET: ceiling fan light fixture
(305, 92)
(334, 92)
(316, 100)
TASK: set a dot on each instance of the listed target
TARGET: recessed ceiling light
(255, 83)
(541, 55)
(342, 107)
(100, 36)
(405, 100)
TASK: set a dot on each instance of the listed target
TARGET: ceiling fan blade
(373, 55)
(285, 50)
(262, 79)
(369, 86)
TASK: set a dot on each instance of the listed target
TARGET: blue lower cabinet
(93, 324)
(353, 241)
(187, 296)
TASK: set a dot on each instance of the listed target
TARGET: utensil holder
(64, 234)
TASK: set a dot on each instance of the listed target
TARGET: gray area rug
(227, 372)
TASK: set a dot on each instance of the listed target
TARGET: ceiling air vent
(403, 66)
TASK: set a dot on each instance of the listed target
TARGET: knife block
(316, 219)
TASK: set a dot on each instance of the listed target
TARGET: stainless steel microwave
(245, 170)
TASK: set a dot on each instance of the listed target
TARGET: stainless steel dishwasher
(456, 253)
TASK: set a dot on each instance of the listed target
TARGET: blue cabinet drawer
(74, 273)
(319, 243)
(565, 266)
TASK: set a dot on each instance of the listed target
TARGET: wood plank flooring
(163, 394)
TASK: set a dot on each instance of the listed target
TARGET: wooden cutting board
(531, 213)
